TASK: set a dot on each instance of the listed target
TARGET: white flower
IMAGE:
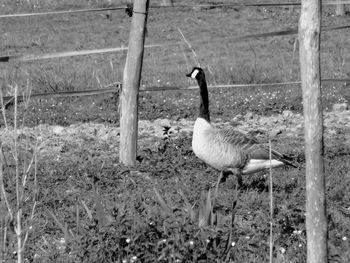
(233, 244)
(297, 232)
(345, 238)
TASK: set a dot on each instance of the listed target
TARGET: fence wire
(204, 6)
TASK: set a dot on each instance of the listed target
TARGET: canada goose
(227, 150)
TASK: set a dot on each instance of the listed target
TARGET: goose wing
(237, 138)
(251, 147)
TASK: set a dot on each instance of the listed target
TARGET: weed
(18, 165)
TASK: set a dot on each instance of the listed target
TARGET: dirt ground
(51, 139)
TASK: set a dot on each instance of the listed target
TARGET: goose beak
(188, 75)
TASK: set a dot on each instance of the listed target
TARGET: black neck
(204, 99)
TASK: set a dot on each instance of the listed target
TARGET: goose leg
(238, 173)
(225, 174)
(216, 185)
(221, 179)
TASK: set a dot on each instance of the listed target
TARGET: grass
(209, 31)
(90, 208)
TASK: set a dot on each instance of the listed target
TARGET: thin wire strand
(117, 86)
(209, 6)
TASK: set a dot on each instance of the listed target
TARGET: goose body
(227, 149)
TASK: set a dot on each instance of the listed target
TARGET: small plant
(202, 214)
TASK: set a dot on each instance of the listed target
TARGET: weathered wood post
(316, 221)
(109, 13)
(131, 84)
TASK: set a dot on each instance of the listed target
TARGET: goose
(228, 150)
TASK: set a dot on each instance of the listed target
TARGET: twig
(3, 251)
(186, 60)
(271, 204)
(293, 58)
(30, 227)
(77, 216)
(3, 107)
(255, 58)
(18, 228)
(212, 73)
(35, 192)
(18, 231)
(190, 47)
(229, 243)
(26, 99)
(88, 211)
(2, 186)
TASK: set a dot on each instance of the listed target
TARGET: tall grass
(18, 181)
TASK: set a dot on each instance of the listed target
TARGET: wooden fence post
(109, 13)
(131, 84)
(316, 220)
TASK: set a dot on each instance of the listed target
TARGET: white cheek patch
(194, 73)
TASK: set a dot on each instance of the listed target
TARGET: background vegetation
(89, 208)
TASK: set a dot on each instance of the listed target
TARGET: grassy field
(90, 208)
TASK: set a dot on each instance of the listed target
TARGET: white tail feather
(255, 165)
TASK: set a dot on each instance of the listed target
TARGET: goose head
(196, 73)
